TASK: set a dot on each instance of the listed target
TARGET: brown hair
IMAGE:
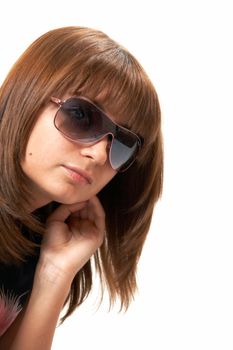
(83, 61)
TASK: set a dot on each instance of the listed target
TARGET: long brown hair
(83, 61)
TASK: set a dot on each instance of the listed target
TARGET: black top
(16, 283)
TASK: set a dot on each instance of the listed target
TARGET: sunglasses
(81, 121)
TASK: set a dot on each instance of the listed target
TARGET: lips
(78, 174)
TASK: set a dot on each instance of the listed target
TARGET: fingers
(74, 232)
(64, 211)
(97, 212)
(91, 210)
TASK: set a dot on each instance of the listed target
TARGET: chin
(70, 199)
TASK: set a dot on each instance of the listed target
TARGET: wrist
(47, 272)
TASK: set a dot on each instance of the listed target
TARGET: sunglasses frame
(124, 166)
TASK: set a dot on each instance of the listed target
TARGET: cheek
(38, 150)
(45, 138)
(108, 175)
(42, 143)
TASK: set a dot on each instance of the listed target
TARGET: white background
(185, 298)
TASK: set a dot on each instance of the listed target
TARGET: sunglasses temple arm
(57, 101)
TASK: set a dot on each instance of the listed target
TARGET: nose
(97, 152)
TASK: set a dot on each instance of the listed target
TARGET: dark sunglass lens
(123, 151)
(79, 120)
(74, 119)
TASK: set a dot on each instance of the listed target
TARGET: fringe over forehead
(84, 61)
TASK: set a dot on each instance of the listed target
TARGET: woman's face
(62, 170)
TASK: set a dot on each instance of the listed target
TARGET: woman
(81, 167)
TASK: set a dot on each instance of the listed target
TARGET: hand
(73, 233)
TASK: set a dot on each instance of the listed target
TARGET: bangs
(87, 63)
(118, 84)
(84, 62)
